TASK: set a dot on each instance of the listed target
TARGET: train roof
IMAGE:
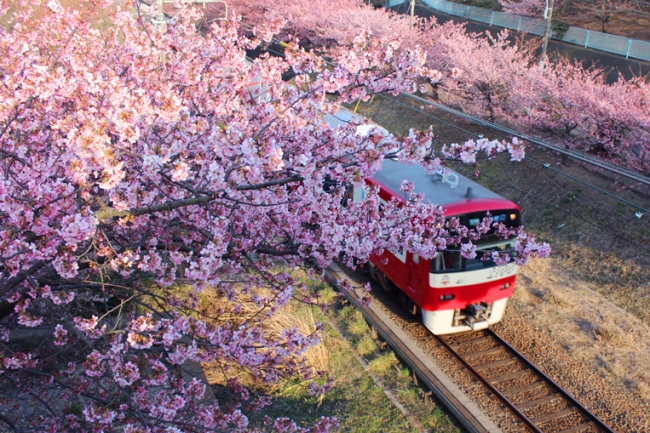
(343, 117)
(453, 200)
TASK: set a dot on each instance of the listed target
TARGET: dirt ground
(629, 18)
(624, 18)
(591, 328)
(593, 295)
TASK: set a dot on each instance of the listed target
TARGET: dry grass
(292, 315)
(591, 328)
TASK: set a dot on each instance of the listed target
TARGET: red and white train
(453, 294)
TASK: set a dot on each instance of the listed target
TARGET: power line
(547, 166)
(528, 158)
(573, 154)
(568, 152)
(586, 221)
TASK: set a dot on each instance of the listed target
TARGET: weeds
(383, 363)
(366, 346)
(358, 327)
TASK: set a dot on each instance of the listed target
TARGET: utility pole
(548, 16)
(160, 18)
(412, 13)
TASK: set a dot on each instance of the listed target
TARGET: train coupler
(476, 316)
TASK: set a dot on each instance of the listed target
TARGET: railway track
(537, 403)
(534, 398)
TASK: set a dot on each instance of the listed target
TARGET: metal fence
(587, 38)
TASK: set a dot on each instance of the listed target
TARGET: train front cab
(465, 295)
(453, 294)
(470, 294)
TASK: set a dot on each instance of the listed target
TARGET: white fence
(587, 38)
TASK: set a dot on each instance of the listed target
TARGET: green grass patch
(358, 327)
(392, 374)
(366, 345)
(383, 363)
(356, 400)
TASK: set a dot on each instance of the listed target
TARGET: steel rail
(579, 156)
(447, 398)
(565, 394)
(511, 406)
(573, 154)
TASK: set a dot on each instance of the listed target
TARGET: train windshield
(452, 261)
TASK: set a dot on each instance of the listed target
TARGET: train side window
(400, 254)
(416, 259)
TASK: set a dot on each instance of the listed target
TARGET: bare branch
(271, 183)
(108, 213)
(10, 423)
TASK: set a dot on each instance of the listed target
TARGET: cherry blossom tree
(491, 77)
(143, 168)
(321, 24)
(527, 8)
(577, 108)
(486, 74)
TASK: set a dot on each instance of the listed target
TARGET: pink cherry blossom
(148, 171)
(468, 251)
(18, 361)
(28, 320)
(59, 335)
(126, 374)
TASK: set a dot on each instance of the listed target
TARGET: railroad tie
(514, 375)
(494, 364)
(537, 402)
(483, 353)
(469, 343)
(577, 429)
(521, 389)
(552, 416)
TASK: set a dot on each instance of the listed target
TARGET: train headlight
(448, 297)
(513, 216)
(505, 286)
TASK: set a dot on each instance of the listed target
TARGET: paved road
(611, 63)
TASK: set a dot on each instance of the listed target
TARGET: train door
(414, 280)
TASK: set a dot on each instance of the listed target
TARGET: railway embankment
(601, 396)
